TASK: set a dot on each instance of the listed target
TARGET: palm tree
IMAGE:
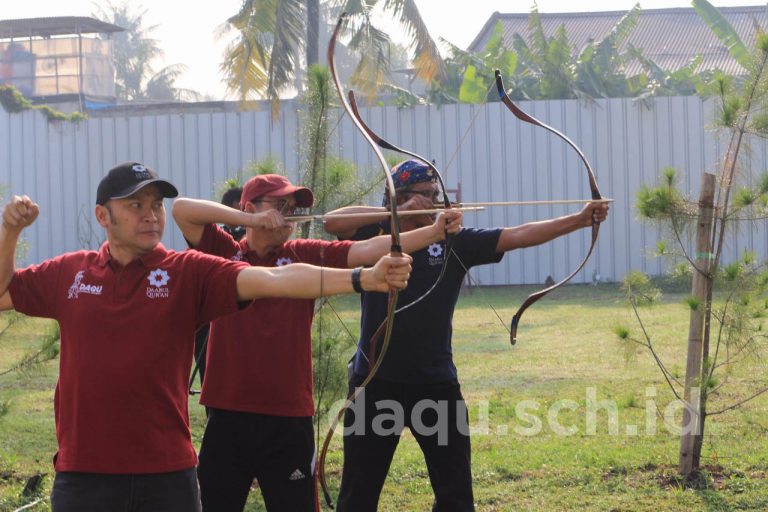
(262, 60)
(134, 50)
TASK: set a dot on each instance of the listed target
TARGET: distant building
(59, 60)
(669, 37)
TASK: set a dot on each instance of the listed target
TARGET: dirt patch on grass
(711, 476)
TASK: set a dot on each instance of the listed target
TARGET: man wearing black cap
(258, 382)
(128, 314)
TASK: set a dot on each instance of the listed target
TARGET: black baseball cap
(127, 178)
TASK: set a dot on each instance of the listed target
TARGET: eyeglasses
(281, 205)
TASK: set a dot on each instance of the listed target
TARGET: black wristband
(356, 279)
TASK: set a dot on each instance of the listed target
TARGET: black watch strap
(356, 279)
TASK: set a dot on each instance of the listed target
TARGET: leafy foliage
(479, 75)
(262, 61)
(664, 202)
(334, 181)
(330, 348)
(734, 302)
(638, 286)
(31, 362)
(267, 165)
(538, 66)
(13, 101)
(724, 31)
(134, 51)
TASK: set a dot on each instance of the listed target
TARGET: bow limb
(386, 328)
(449, 239)
(523, 116)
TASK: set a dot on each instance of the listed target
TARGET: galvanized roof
(56, 26)
(670, 37)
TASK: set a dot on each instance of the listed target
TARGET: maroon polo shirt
(260, 358)
(127, 339)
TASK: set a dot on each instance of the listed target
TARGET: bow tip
(500, 86)
(513, 331)
(328, 500)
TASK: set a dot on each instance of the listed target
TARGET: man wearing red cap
(258, 382)
(128, 313)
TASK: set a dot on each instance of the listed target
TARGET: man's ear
(102, 215)
(249, 207)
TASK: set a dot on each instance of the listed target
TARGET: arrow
(383, 213)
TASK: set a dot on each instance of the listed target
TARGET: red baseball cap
(275, 185)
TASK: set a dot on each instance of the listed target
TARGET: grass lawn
(568, 419)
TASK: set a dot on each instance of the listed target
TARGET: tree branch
(739, 403)
(664, 371)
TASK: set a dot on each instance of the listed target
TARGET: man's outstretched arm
(536, 233)
(19, 213)
(302, 281)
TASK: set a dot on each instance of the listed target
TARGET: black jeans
(436, 415)
(152, 492)
(278, 451)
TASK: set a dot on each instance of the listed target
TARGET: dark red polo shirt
(260, 358)
(127, 338)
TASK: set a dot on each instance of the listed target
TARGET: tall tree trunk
(313, 31)
(694, 376)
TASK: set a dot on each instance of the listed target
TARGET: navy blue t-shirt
(420, 347)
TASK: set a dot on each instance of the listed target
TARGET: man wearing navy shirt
(418, 372)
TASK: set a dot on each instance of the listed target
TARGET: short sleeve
(34, 290)
(478, 246)
(217, 285)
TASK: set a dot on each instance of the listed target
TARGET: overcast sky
(187, 30)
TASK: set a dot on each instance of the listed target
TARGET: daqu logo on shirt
(158, 279)
(281, 262)
(79, 287)
(435, 254)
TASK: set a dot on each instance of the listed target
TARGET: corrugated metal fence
(485, 149)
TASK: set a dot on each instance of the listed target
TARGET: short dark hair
(231, 196)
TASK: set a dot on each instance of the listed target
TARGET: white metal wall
(494, 156)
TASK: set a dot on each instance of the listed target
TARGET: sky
(188, 31)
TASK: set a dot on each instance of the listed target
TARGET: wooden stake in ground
(702, 279)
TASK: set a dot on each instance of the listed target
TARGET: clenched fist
(19, 213)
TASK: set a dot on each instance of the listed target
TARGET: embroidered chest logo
(157, 289)
(435, 252)
(281, 262)
(79, 287)
(238, 256)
